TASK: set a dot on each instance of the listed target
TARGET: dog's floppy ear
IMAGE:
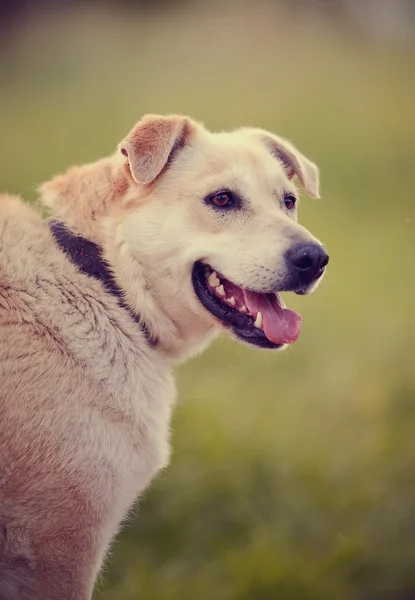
(293, 162)
(152, 143)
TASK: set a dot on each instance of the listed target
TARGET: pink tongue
(280, 325)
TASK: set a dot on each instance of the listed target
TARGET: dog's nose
(307, 262)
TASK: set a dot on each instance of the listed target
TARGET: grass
(291, 474)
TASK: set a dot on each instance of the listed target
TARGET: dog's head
(202, 233)
(212, 220)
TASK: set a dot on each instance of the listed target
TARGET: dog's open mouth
(259, 319)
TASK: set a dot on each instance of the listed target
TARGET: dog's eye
(221, 200)
(224, 200)
(289, 202)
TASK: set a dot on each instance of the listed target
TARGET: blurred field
(292, 475)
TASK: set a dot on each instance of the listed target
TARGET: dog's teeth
(258, 321)
(213, 279)
(220, 290)
(243, 309)
(232, 301)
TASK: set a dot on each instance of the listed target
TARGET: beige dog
(153, 251)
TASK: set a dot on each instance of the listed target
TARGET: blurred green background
(293, 474)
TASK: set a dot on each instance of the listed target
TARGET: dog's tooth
(213, 279)
(258, 321)
(220, 290)
(232, 301)
(243, 309)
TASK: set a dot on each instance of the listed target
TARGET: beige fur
(85, 400)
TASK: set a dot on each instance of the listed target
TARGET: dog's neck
(87, 256)
(90, 201)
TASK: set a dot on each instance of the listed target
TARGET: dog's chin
(254, 318)
(305, 291)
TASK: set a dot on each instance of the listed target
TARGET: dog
(148, 255)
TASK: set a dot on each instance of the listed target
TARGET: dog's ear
(152, 143)
(294, 163)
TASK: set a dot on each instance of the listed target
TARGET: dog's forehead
(239, 157)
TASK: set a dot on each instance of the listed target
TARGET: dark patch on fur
(87, 256)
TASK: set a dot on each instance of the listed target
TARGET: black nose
(307, 262)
